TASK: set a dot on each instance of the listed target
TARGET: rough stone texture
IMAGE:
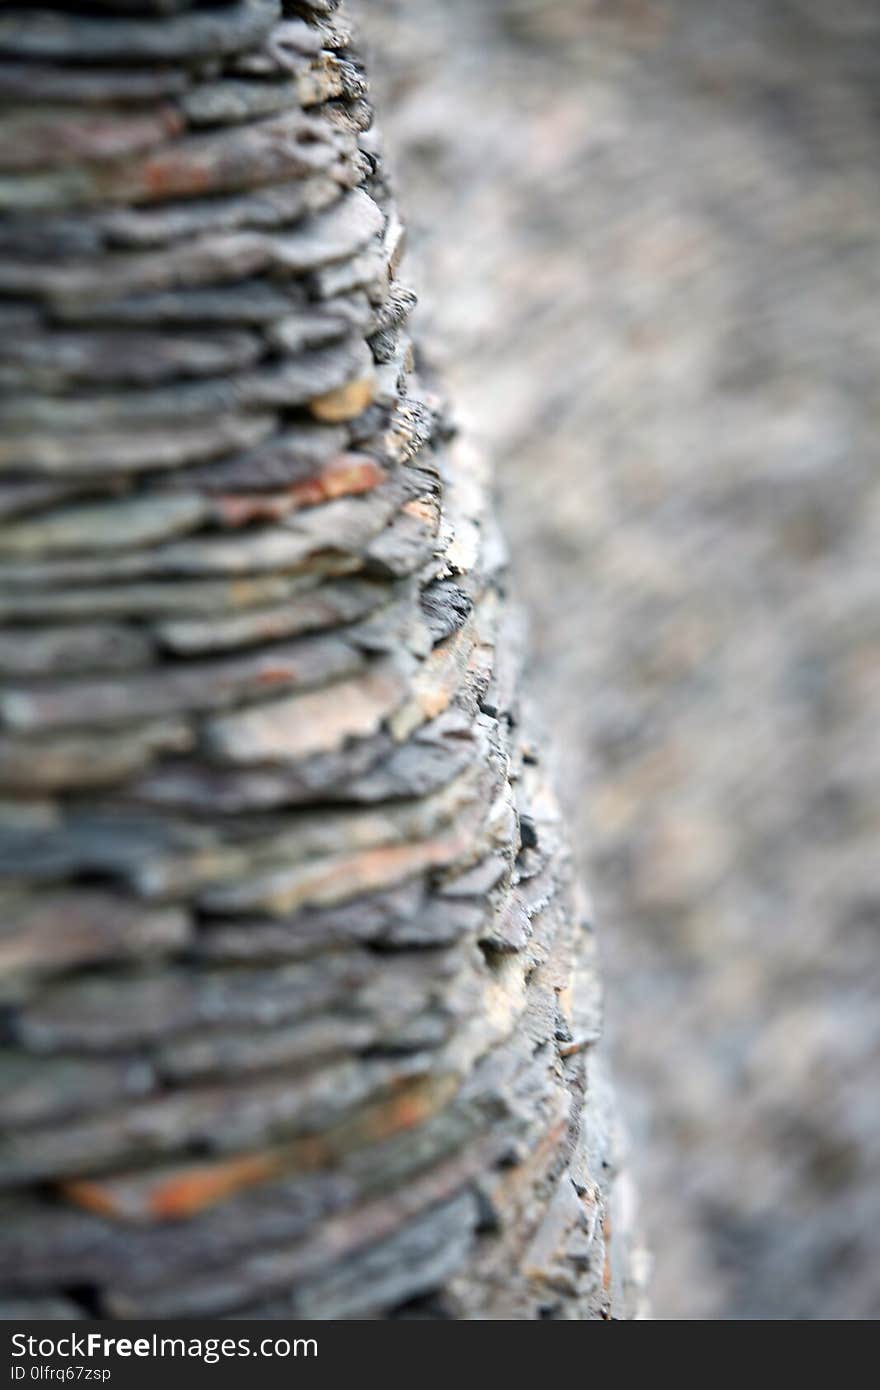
(661, 217)
(299, 999)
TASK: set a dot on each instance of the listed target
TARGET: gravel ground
(650, 232)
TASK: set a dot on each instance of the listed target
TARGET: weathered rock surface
(288, 938)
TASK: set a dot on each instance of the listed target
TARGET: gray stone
(44, 34)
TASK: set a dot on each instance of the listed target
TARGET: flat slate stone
(245, 302)
(328, 606)
(79, 760)
(264, 209)
(122, 358)
(196, 35)
(295, 381)
(104, 526)
(177, 689)
(40, 138)
(47, 934)
(205, 598)
(88, 86)
(302, 725)
(115, 452)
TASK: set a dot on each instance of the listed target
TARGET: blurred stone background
(647, 238)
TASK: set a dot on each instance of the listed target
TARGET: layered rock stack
(298, 1002)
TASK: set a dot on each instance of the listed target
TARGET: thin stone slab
(290, 456)
(303, 725)
(263, 550)
(264, 209)
(47, 651)
(37, 1090)
(88, 86)
(296, 381)
(176, 689)
(120, 358)
(197, 35)
(116, 452)
(325, 607)
(406, 915)
(80, 760)
(247, 302)
(40, 138)
(204, 598)
(47, 934)
(315, 77)
(105, 526)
